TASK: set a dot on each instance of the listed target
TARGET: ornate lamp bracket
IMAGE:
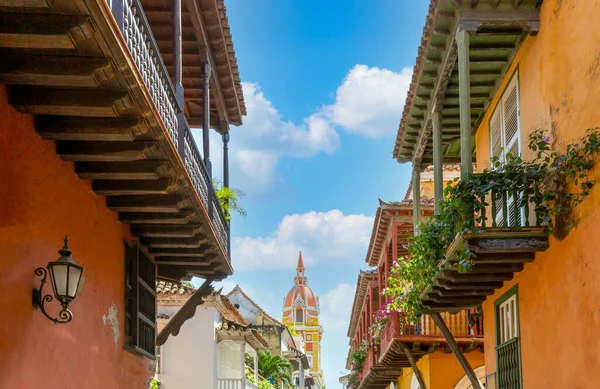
(64, 316)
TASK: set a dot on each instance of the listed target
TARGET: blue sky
(325, 84)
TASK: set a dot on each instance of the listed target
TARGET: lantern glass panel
(59, 278)
(74, 276)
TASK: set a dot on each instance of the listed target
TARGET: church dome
(300, 304)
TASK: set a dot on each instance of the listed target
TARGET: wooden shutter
(505, 126)
(505, 137)
(496, 133)
(510, 118)
(140, 283)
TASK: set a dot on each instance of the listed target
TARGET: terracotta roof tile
(420, 64)
(167, 287)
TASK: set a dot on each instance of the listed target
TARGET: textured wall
(41, 201)
(559, 293)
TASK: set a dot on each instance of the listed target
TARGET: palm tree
(275, 367)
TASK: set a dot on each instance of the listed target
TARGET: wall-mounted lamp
(65, 275)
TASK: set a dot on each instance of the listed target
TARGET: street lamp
(65, 275)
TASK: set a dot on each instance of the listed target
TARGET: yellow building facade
(301, 314)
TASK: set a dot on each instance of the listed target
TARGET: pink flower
(547, 139)
(395, 264)
(559, 163)
(443, 238)
(492, 182)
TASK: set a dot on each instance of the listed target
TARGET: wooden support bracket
(439, 321)
(414, 366)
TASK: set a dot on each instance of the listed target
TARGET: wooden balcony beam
(167, 231)
(105, 151)
(43, 30)
(90, 129)
(45, 70)
(136, 170)
(134, 187)
(147, 203)
(69, 102)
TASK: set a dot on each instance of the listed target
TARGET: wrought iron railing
(509, 365)
(135, 28)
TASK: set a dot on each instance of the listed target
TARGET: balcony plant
(228, 199)
(552, 183)
(380, 319)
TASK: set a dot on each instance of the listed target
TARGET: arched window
(299, 315)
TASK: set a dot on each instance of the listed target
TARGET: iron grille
(509, 365)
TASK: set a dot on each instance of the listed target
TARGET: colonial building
(208, 340)
(401, 353)
(277, 335)
(488, 75)
(301, 314)
(97, 101)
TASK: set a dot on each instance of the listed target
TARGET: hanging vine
(552, 183)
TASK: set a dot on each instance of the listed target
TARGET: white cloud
(370, 101)
(335, 308)
(326, 236)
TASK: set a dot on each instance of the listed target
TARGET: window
(140, 302)
(508, 348)
(505, 126)
(505, 138)
(299, 315)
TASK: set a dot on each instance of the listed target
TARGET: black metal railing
(136, 30)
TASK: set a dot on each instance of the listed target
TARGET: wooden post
(205, 132)
(416, 188)
(394, 242)
(437, 319)
(438, 168)
(386, 266)
(226, 159)
(464, 94)
(415, 368)
(206, 116)
(177, 76)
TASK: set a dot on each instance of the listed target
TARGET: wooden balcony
(424, 337)
(95, 78)
(506, 238)
(374, 375)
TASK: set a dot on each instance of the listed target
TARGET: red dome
(301, 296)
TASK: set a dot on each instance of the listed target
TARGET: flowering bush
(555, 183)
(380, 318)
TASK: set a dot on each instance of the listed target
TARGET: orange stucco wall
(440, 370)
(41, 201)
(559, 293)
